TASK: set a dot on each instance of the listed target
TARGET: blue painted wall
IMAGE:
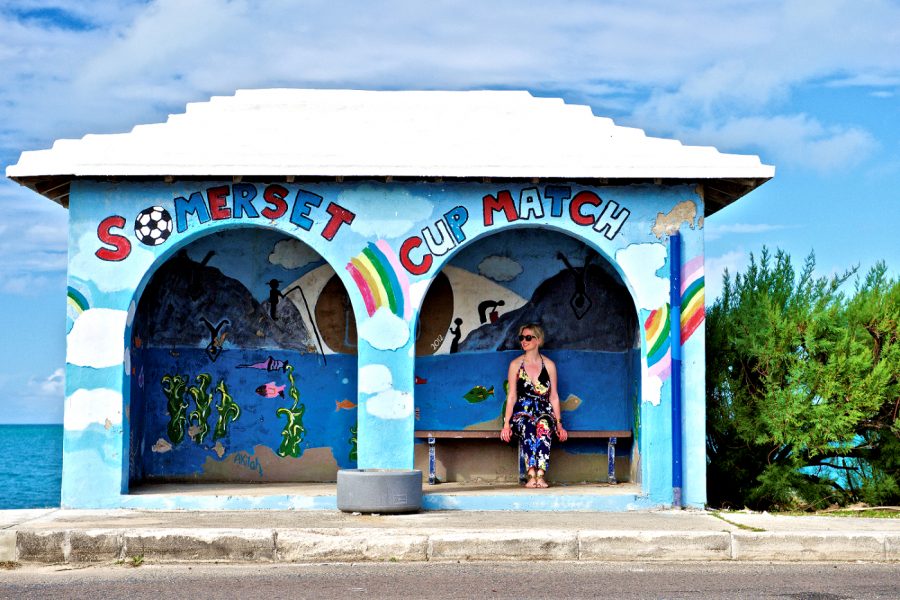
(388, 245)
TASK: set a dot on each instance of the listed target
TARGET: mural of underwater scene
(509, 279)
(231, 378)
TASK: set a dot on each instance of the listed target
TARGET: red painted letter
(409, 265)
(339, 216)
(121, 245)
(217, 198)
(275, 195)
(503, 202)
(575, 205)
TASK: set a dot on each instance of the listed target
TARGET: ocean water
(30, 465)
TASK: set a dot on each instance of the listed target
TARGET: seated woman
(532, 405)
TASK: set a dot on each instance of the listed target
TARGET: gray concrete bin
(383, 491)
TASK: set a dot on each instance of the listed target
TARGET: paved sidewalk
(95, 536)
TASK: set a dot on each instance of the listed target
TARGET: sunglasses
(527, 338)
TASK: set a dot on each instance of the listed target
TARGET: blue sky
(811, 87)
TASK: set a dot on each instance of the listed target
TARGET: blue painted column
(385, 414)
(675, 337)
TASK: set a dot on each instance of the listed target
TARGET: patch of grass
(718, 515)
(9, 565)
(137, 560)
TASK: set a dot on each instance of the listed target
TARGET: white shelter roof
(292, 133)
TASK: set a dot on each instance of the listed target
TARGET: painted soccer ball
(153, 226)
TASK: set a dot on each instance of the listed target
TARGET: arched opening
(243, 365)
(467, 337)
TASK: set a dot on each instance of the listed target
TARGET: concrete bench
(432, 436)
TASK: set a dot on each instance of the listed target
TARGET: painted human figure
(457, 334)
(489, 305)
(580, 302)
(214, 348)
(275, 297)
(533, 413)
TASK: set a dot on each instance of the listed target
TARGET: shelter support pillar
(385, 408)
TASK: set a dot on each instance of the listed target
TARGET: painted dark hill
(609, 324)
(183, 292)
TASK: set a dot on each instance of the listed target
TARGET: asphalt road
(817, 581)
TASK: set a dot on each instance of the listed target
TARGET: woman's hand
(506, 433)
(561, 432)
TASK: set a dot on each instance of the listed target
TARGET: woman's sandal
(532, 479)
(539, 480)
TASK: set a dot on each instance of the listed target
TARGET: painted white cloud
(368, 203)
(109, 276)
(390, 404)
(97, 338)
(384, 330)
(293, 254)
(640, 262)
(87, 407)
(499, 268)
(418, 290)
(374, 379)
(651, 388)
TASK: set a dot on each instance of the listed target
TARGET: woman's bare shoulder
(549, 362)
(514, 363)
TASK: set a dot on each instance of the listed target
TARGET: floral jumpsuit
(532, 420)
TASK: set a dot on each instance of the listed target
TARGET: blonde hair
(536, 330)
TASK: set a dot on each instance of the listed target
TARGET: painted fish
(270, 390)
(479, 394)
(420, 380)
(345, 404)
(270, 364)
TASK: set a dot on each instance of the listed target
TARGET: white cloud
(640, 262)
(390, 404)
(53, 386)
(715, 231)
(97, 338)
(798, 140)
(85, 407)
(293, 254)
(500, 268)
(384, 330)
(714, 269)
(374, 379)
(371, 218)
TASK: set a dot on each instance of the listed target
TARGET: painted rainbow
(381, 280)
(76, 303)
(693, 309)
(659, 356)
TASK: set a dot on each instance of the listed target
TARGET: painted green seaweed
(293, 431)
(228, 409)
(352, 440)
(203, 399)
(173, 388)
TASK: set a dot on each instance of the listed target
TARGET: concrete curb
(316, 545)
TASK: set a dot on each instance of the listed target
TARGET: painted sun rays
(381, 280)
